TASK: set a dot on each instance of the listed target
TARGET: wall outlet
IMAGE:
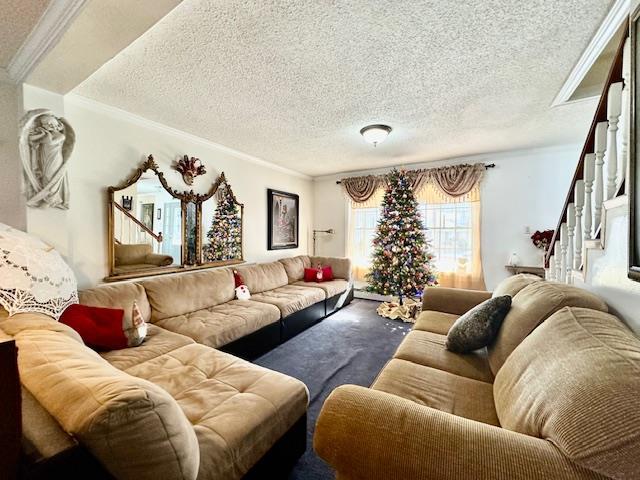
(527, 230)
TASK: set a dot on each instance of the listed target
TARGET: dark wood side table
(539, 271)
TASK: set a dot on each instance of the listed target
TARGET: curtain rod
(486, 166)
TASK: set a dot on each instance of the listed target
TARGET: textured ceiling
(17, 19)
(293, 82)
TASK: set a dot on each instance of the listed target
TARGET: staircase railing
(599, 176)
(128, 229)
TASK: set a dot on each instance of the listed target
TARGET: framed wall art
(283, 214)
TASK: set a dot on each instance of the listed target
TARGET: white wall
(12, 207)
(111, 144)
(606, 269)
(526, 188)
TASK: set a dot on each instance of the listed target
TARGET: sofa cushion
(428, 349)
(36, 321)
(331, 288)
(181, 294)
(158, 342)
(529, 308)
(294, 266)
(341, 267)
(133, 427)
(512, 285)
(264, 276)
(436, 322)
(438, 389)
(120, 295)
(291, 298)
(575, 381)
(224, 323)
(238, 409)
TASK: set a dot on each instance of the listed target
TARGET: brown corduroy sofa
(554, 397)
(175, 407)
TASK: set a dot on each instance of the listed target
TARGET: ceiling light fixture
(375, 134)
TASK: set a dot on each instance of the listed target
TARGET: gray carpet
(351, 346)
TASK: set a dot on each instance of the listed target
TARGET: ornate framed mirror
(154, 229)
(633, 182)
(222, 226)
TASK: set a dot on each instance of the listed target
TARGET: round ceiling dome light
(375, 134)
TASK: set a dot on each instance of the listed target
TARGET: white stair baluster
(589, 175)
(578, 197)
(600, 147)
(558, 259)
(551, 271)
(625, 114)
(564, 243)
(571, 228)
(614, 99)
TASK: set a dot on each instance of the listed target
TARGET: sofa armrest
(364, 434)
(159, 259)
(452, 300)
(341, 267)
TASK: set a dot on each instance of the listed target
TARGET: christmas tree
(225, 234)
(402, 263)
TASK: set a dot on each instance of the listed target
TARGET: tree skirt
(407, 312)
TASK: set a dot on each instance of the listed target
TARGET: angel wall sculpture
(46, 143)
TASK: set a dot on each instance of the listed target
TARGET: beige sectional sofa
(554, 396)
(176, 406)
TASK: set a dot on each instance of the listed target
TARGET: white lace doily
(33, 275)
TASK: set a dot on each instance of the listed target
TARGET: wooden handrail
(614, 76)
(157, 237)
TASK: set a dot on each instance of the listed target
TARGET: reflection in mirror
(222, 227)
(190, 233)
(146, 227)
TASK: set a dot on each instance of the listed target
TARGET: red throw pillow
(100, 328)
(327, 274)
(311, 275)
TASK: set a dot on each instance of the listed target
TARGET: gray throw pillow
(479, 326)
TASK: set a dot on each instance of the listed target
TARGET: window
(451, 228)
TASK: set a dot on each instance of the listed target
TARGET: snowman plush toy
(242, 292)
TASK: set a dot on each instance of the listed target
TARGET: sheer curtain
(453, 227)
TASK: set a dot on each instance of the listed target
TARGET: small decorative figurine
(190, 168)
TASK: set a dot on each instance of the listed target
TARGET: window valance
(454, 181)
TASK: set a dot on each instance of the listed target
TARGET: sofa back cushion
(341, 267)
(264, 276)
(515, 283)
(120, 295)
(189, 292)
(133, 427)
(529, 308)
(132, 254)
(294, 266)
(575, 381)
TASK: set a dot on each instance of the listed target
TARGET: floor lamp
(315, 232)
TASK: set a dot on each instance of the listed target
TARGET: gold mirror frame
(633, 182)
(186, 198)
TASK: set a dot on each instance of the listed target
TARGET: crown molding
(79, 100)
(615, 18)
(45, 35)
